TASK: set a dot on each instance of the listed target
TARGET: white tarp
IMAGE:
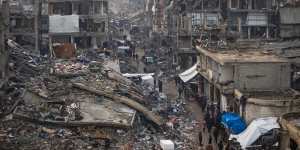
(64, 24)
(147, 78)
(257, 128)
(189, 74)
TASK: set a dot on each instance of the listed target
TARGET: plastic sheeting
(146, 78)
(64, 24)
(233, 122)
(257, 128)
(189, 74)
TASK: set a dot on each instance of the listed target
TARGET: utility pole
(37, 24)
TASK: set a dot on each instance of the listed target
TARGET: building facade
(252, 83)
(84, 23)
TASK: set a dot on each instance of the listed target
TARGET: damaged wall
(262, 76)
(290, 22)
(254, 111)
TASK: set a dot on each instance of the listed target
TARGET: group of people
(212, 126)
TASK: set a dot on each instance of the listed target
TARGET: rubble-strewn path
(192, 107)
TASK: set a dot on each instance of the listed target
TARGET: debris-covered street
(149, 75)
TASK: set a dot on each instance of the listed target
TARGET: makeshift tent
(189, 74)
(256, 129)
(233, 122)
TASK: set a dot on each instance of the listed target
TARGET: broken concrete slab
(131, 103)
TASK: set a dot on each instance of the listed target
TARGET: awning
(256, 129)
(189, 74)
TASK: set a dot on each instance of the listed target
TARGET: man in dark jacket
(208, 121)
(200, 138)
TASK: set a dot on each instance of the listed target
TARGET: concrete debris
(82, 104)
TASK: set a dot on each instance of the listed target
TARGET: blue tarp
(233, 122)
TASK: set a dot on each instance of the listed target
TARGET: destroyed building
(82, 23)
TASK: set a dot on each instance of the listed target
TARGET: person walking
(209, 146)
(203, 103)
(216, 133)
(220, 145)
(200, 138)
(208, 121)
(180, 91)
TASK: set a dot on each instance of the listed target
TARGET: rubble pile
(75, 104)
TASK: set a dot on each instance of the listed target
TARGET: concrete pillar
(38, 11)
(94, 43)
(72, 40)
(267, 32)
(51, 47)
(284, 140)
(102, 8)
(4, 12)
(249, 4)
(249, 33)
(239, 20)
(73, 8)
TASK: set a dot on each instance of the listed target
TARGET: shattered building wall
(79, 22)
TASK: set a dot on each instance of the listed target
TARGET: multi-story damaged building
(28, 23)
(252, 19)
(289, 19)
(189, 20)
(250, 82)
(84, 23)
(197, 19)
(238, 69)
